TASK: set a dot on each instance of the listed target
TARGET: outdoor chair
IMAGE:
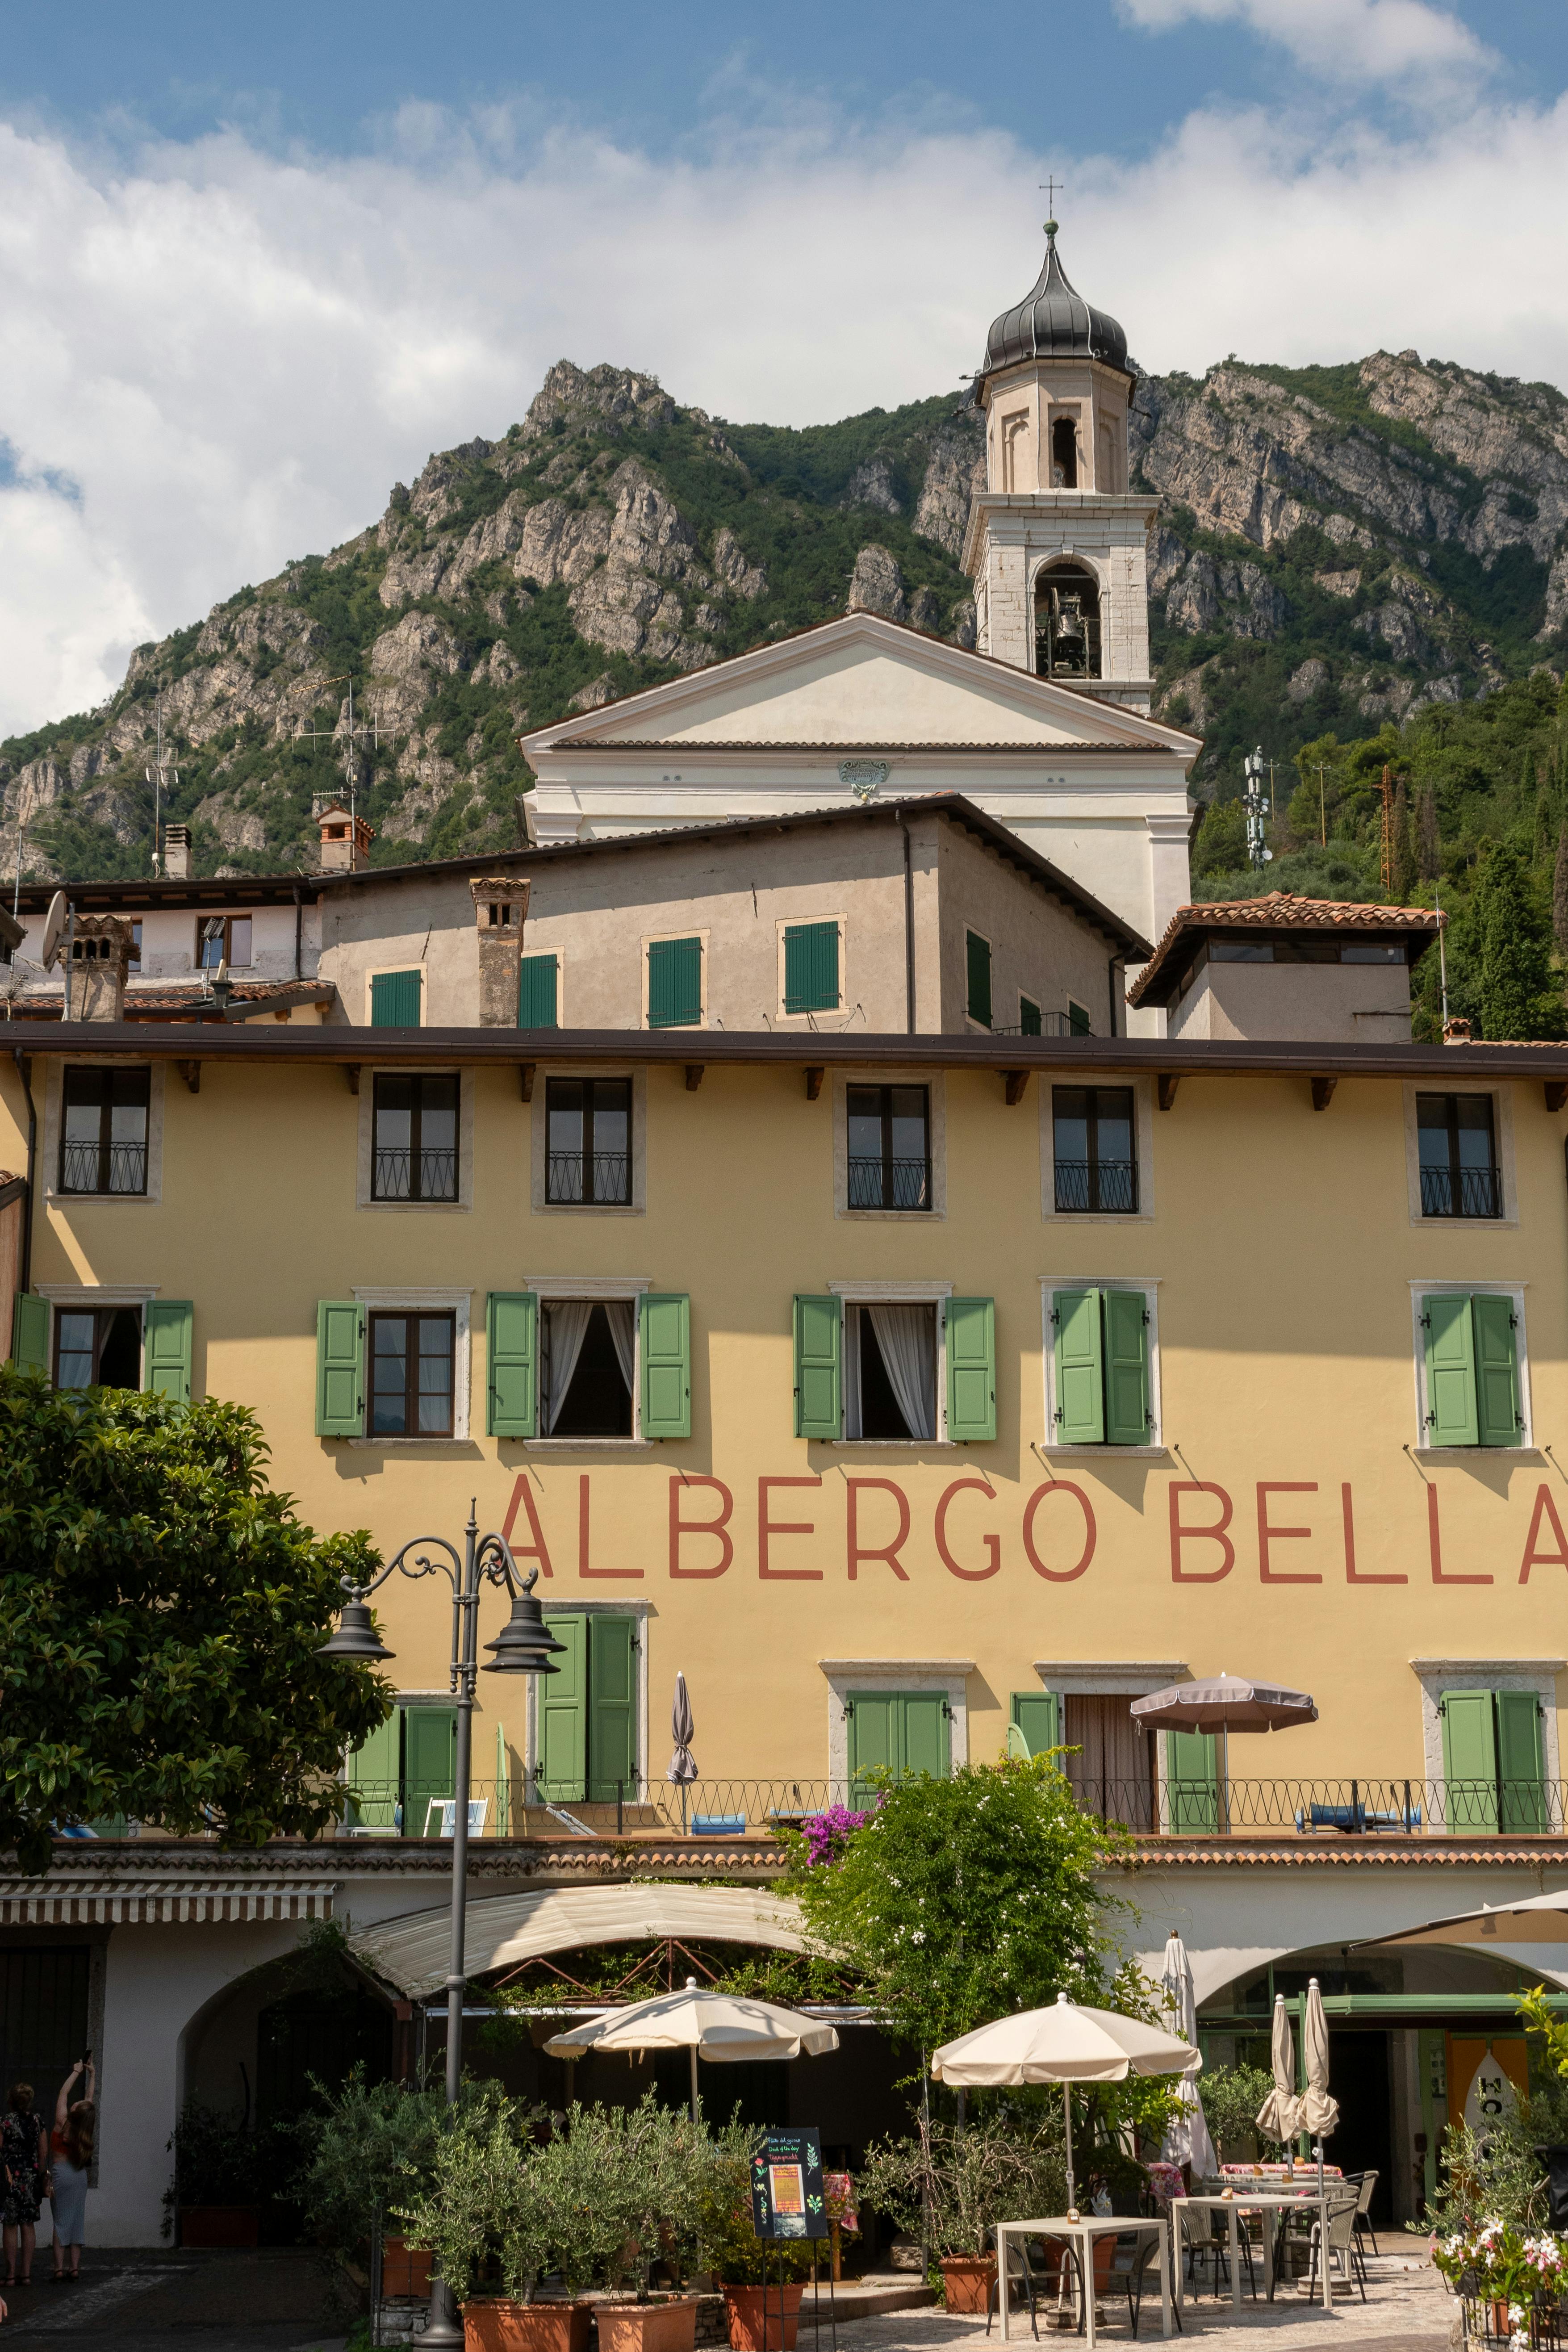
(1141, 2273)
(1343, 2248)
(1019, 2272)
(1214, 2250)
(1364, 2183)
(1354, 1819)
(447, 1807)
(718, 1825)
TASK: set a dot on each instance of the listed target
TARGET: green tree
(1221, 846)
(160, 1612)
(1560, 894)
(1519, 997)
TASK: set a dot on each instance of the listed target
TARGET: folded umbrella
(1277, 2117)
(1187, 2139)
(1315, 2111)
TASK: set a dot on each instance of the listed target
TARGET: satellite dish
(54, 928)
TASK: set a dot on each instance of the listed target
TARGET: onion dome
(1054, 321)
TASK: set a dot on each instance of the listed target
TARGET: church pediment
(860, 683)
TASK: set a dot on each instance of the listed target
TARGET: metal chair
(1143, 2253)
(1341, 2246)
(1215, 2250)
(1366, 2183)
(1017, 2268)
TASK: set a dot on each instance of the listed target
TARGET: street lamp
(523, 1646)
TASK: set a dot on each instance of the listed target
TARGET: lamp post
(523, 1646)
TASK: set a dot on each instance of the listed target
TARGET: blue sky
(256, 264)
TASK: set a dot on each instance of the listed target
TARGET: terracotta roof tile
(1279, 910)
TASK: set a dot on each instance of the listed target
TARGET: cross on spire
(1050, 187)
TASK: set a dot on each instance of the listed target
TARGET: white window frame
(87, 1298)
(539, 1140)
(652, 938)
(1437, 1675)
(1142, 1144)
(549, 1289)
(919, 1294)
(838, 1014)
(947, 1677)
(1502, 1093)
(459, 1304)
(404, 963)
(1148, 1290)
(1420, 1291)
(54, 1115)
(637, 1606)
(934, 1083)
(365, 1165)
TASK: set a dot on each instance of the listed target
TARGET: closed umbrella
(1276, 2115)
(1187, 2140)
(1065, 2043)
(682, 1764)
(1316, 2112)
(1225, 1703)
(720, 2027)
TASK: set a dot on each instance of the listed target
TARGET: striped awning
(59, 1900)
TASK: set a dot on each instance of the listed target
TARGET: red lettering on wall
(888, 1552)
(1434, 1543)
(1268, 1535)
(582, 1567)
(1353, 1574)
(522, 1495)
(719, 1527)
(1180, 1534)
(992, 1544)
(767, 1528)
(1040, 1495)
(1545, 1509)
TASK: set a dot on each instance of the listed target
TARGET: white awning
(504, 1930)
(57, 1900)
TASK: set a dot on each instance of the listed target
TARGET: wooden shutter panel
(1080, 1379)
(30, 1333)
(1192, 1780)
(1521, 1763)
(874, 1745)
(375, 1778)
(924, 1735)
(674, 984)
(1469, 1758)
(536, 994)
(811, 968)
(978, 960)
(1494, 1321)
(430, 1766)
(971, 1370)
(1038, 1715)
(564, 1714)
(665, 1321)
(1126, 1369)
(1450, 1370)
(394, 1000)
(818, 1370)
(612, 1707)
(1029, 1017)
(166, 1348)
(340, 1367)
(512, 1363)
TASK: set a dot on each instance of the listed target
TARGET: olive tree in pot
(486, 2215)
(368, 2148)
(952, 2186)
(746, 2271)
(634, 2177)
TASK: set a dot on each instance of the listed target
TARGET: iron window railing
(1460, 1192)
(103, 1168)
(1108, 1184)
(569, 1173)
(889, 1184)
(437, 1174)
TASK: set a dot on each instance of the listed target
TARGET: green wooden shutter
(674, 984)
(30, 1333)
(1126, 1369)
(818, 1369)
(971, 1370)
(874, 1745)
(1450, 1370)
(977, 952)
(1497, 1420)
(923, 1733)
(1469, 1758)
(612, 1707)
(166, 1348)
(1080, 1379)
(665, 1332)
(1192, 1780)
(536, 998)
(375, 1777)
(1522, 1762)
(1038, 1715)
(564, 1714)
(811, 968)
(429, 1767)
(340, 1367)
(512, 1359)
(394, 1000)
(1029, 1017)
(1077, 1021)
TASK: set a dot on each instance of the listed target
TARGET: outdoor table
(1083, 2232)
(1258, 2200)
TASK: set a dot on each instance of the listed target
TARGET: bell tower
(1056, 544)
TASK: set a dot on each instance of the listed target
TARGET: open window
(1067, 623)
(1064, 453)
(891, 1370)
(895, 1371)
(588, 1359)
(98, 1346)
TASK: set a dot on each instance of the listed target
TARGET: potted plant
(950, 2186)
(220, 2180)
(486, 2223)
(367, 2147)
(746, 2270)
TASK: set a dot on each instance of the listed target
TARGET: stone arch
(1067, 594)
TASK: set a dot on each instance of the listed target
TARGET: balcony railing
(437, 1175)
(1110, 1185)
(1479, 1194)
(83, 1168)
(872, 1181)
(608, 1172)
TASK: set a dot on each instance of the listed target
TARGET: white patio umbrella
(1187, 2139)
(1277, 2116)
(1316, 2112)
(682, 1729)
(1535, 1919)
(1066, 2044)
(721, 2027)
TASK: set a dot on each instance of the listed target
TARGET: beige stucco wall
(1339, 1005)
(168, 940)
(1036, 949)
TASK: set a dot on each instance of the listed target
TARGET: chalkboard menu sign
(786, 2185)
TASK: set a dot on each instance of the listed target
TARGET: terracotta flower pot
(966, 2281)
(751, 2329)
(220, 2225)
(404, 2269)
(498, 2325)
(668, 2326)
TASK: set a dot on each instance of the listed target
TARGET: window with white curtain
(588, 1366)
(891, 1370)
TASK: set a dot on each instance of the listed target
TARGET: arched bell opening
(1067, 623)
(1064, 454)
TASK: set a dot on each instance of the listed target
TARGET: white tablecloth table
(1083, 2234)
(1254, 2200)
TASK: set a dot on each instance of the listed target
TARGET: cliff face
(1336, 546)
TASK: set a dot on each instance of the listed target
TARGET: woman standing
(24, 2156)
(71, 2149)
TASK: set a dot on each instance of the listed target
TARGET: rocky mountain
(1337, 547)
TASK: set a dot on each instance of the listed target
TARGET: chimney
(176, 853)
(345, 839)
(95, 973)
(1457, 1032)
(500, 907)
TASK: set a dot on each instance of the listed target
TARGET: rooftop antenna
(328, 735)
(1258, 805)
(157, 776)
(1442, 958)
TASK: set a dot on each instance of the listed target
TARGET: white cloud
(1382, 40)
(233, 354)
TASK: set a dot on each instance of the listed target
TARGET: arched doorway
(1067, 623)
